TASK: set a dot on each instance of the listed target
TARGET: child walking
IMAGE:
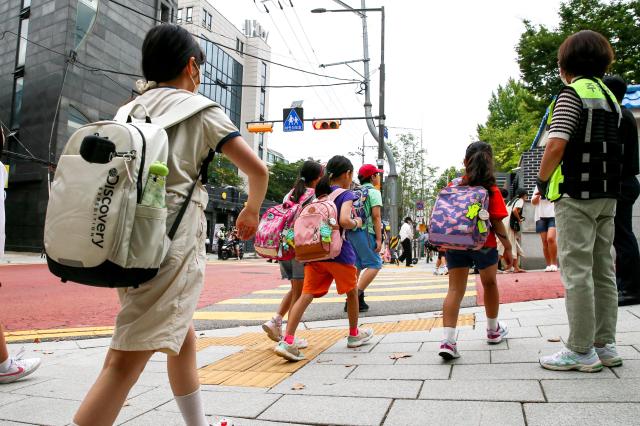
(157, 316)
(318, 276)
(478, 163)
(302, 192)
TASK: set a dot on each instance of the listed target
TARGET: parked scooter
(228, 249)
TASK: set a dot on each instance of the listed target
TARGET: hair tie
(143, 85)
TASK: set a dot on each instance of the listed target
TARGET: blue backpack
(359, 205)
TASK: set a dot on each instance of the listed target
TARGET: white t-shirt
(3, 178)
(406, 232)
(544, 208)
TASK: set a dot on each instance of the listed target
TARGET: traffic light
(260, 127)
(326, 124)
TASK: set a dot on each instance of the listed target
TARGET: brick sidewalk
(500, 384)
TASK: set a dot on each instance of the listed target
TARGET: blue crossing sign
(292, 120)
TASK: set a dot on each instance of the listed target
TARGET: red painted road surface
(32, 298)
(526, 286)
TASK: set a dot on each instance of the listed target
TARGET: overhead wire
(278, 86)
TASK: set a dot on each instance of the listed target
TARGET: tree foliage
(222, 172)
(514, 118)
(281, 179)
(618, 21)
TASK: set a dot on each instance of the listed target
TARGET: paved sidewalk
(489, 385)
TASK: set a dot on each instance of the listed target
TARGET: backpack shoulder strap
(335, 194)
(187, 108)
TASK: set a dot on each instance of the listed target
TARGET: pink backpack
(317, 231)
(274, 237)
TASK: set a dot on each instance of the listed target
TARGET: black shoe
(362, 305)
(625, 299)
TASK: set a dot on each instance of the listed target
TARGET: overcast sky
(443, 60)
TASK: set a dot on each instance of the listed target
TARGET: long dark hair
(478, 161)
(334, 168)
(310, 171)
(166, 51)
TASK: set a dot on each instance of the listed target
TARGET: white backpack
(97, 232)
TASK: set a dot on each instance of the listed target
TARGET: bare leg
(491, 294)
(4, 351)
(545, 248)
(367, 276)
(296, 312)
(183, 375)
(105, 398)
(291, 297)
(457, 287)
(352, 307)
(553, 246)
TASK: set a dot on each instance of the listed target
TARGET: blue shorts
(364, 245)
(481, 259)
(544, 224)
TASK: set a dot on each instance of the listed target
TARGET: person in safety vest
(581, 172)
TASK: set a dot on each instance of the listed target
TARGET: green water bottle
(154, 190)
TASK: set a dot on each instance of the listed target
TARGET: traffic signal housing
(326, 124)
(260, 127)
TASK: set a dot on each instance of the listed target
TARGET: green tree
(222, 172)
(618, 21)
(281, 179)
(514, 118)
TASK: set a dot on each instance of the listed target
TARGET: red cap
(368, 170)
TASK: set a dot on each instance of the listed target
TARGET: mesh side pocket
(148, 236)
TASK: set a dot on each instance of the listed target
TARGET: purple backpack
(460, 217)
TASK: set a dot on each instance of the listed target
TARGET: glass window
(85, 18)
(189, 14)
(209, 20)
(17, 102)
(22, 42)
(75, 119)
(165, 13)
(26, 3)
(204, 18)
(179, 20)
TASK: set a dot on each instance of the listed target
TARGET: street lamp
(381, 122)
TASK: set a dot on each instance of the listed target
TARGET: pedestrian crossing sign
(292, 120)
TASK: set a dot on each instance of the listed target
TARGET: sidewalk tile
(69, 388)
(458, 413)
(629, 369)
(528, 306)
(521, 371)
(353, 359)
(432, 358)
(8, 398)
(33, 379)
(94, 343)
(477, 390)
(510, 323)
(414, 336)
(515, 333)
(609, 390)
(135, 406)
(631, 338)
(554, 330)
(401, 372)
(543, 320)
(557, 414)
(328, 410)
(517, 355)
(467, 345)
(535, 343)
(222, 388)
(341, 346)
(396, 347)
(41, 411)
(353, 388)
(231, 403)
(628, 352)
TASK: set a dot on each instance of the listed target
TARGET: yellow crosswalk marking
(341, 299)
(376, 289)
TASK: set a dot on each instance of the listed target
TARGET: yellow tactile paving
(258, 366)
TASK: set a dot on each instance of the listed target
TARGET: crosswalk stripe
(400, 283)
(376, 289)
(341, 299)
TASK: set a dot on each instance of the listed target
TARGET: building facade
(56, 74)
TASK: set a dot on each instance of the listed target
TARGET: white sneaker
(436, 271)
(445, 271)
(553, 268)
(548, 269)
(301, 343)
(19, 368)
(273, 328)
(609, 355)
(567, 359)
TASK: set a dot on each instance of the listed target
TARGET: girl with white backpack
(333, 188)
(302, 193)
(157, 316)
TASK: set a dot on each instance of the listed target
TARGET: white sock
(492, 324)
(192, 409)
(4, 366)
(449, 333)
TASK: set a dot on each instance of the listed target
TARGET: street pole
(381, 121)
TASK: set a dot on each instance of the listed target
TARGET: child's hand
(247, 223)
(508, 257)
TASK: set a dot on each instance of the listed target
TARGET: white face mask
(195, 86)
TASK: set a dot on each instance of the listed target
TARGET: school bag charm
(460, 217)
(106, 222)
(317, 233)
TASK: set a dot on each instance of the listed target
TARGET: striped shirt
(566, 115)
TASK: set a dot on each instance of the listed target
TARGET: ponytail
(479, 165)
(310, 171)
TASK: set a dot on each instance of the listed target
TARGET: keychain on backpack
(154, 190)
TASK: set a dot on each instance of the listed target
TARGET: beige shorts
(157, 315)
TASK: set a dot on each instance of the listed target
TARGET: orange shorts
(318, 277)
